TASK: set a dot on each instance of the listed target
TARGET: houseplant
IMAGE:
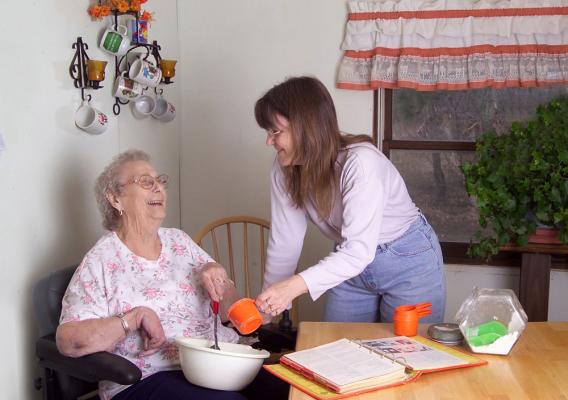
(520, 180)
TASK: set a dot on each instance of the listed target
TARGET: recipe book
(346, 367)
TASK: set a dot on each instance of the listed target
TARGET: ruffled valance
(455, 44)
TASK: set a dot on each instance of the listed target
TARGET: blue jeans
(408, 270)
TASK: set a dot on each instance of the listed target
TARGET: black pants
(172, 385)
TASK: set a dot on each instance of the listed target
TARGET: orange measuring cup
(245, 316)
(406, 318)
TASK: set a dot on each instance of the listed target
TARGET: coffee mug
(145, 72)
(115, 42)
(90, 119)
(127, 89)
(143, 106)
(164, 110)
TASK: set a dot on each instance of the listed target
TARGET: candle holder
(96, 72)
(168, 70)
(78, 69)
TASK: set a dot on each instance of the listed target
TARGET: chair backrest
(47, 296)
(239, 244)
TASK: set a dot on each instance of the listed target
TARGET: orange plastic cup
(406, 323)
(406, 318)
(245, 316)
(405, 326)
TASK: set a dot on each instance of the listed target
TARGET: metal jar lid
(446, 333)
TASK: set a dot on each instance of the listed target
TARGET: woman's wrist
(134, 318)
(299, 285)
(124, 322)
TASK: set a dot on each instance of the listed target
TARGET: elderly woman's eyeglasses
(148, 181)
(272, 133)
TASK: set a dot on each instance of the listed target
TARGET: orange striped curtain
(454, 44)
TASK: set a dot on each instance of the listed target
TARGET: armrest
(91, 368)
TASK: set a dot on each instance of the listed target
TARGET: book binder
(434, 357)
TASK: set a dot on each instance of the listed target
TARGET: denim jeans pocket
(410, 244)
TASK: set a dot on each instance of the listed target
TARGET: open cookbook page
(420, 354)
(343, 362)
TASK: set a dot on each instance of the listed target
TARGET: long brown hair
(307, 105)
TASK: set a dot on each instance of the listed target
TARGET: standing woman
(386, 254)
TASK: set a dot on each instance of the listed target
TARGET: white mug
(145, 72)
(143, 106)
(164, 110)
(115, 42)
(90, 119)
(127, 89)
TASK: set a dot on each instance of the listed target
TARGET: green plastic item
(486, 333)
(482, 340)
(488, 327)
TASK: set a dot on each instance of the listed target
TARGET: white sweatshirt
(371, 206)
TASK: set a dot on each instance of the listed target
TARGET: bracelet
(124, 323)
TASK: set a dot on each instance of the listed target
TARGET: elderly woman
(141, 286)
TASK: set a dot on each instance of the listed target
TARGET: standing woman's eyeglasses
(272, 133)
(148, 181)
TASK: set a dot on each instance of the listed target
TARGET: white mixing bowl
(232, 367)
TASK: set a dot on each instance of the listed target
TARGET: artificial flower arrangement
(106, 7)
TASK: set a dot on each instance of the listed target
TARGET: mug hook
(83, 96)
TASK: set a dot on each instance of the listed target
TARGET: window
(428, 135)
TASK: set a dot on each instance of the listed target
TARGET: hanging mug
(164, 110)
(143, 106)
(145, 72)
(90, 119)
(127, 89)
(115, 42)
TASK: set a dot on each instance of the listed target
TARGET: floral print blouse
(112, 279)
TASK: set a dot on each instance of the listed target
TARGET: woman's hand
(215, 280)
(78, 338)
(276, 298)
(151, 330)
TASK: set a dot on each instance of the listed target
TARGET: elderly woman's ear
(113, 200)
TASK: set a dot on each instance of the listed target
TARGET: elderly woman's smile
(144, 195)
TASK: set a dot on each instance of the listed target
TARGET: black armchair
(66, 378)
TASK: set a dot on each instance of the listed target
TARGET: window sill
(455, 253)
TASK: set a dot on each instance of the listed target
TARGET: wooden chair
(239, 244)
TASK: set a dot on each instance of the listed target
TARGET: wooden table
(536, 368)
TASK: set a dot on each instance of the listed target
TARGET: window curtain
(454, 44)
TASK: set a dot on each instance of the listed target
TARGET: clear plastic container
(491, 320)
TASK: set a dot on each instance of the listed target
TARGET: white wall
(228, 63)
(48, 216)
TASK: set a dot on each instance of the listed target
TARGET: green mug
(115, 42)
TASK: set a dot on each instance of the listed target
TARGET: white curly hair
(108, 182)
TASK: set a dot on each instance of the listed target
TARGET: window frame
(454, 252)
